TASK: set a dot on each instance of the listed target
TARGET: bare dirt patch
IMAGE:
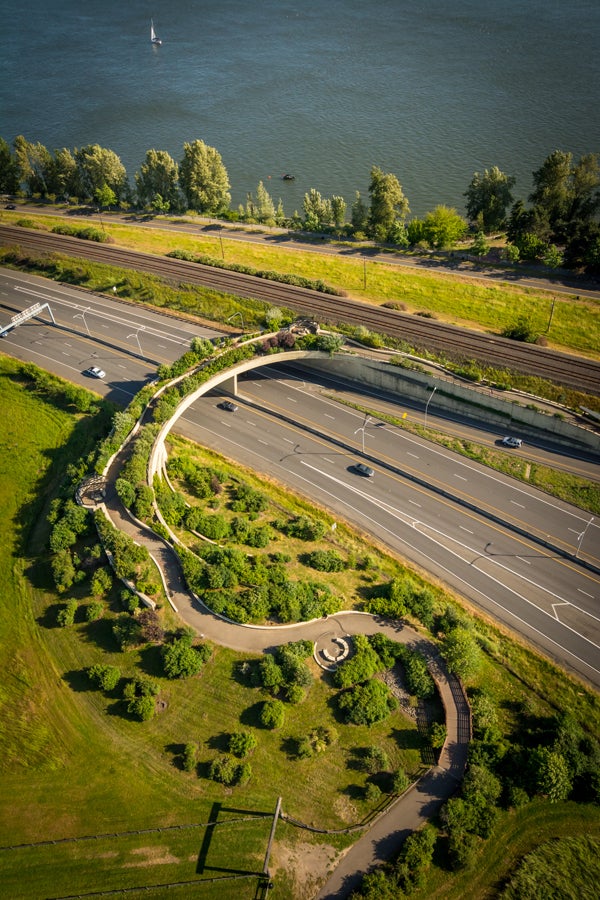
(306, 866)
(152, 858)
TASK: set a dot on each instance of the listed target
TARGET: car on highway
(10, 206)
(364, 470)
(228, 406)
(511, 442)
(95, 372)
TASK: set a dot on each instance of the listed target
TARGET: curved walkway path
(424, 798)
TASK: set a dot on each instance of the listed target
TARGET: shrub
(101, 582)
(190, 753)
(105, 677)
(241, 743)
(374, 759)
(367, 703)
(325, 561)
(94, 611)
(139, 694)
(66, 614)
(272, 714)
(181, 659)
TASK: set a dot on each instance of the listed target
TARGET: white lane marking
(465, 548)
(585, 593)
(414, 455)
(438, 565)
(462, 477)
(99, 313)
(462, 528)
(514, 503)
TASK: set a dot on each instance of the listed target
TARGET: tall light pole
(81, 315)
(136, 335)
(581, 536)
(427, 404)
(362, 431)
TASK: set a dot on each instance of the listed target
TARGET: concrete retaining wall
(488, 406)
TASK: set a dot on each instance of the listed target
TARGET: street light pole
(136, 335)
(581, 536)
(427, 404)
(81, 315)
(362, 431)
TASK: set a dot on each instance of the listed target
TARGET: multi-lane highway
(127, 341)
(422, 502)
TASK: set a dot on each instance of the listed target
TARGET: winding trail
(424, 798)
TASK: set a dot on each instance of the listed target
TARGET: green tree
(181, 659)
(317, 210)
(9, 169)
(190, 754)
(241, 743)
(272, 714)
(461, 652)
(203, 178)
(63, 570)
(265, 209)
(367, 703)
(359, 214)
(418, 680)
(105, 196)
(361, 666)
(98, 168)
(553, 778)
(374, 759)
(64, 180)
(140, 696)
(104, 676)
(479, 246)
(101, 582)
(443, 227)
(158, 176)
(488, 198)
(34, 165)
(400, 781)
(66, 614)
(388, 204)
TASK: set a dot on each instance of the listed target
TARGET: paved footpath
(423, 799)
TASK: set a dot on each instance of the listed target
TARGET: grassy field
(575, 322)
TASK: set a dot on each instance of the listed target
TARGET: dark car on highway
(362, 469)
(227, 405)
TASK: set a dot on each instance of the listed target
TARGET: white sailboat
(153, 38)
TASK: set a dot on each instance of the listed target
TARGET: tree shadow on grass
(100, 633)
(176, 752)
(79, 681)
(48, 619)
(407, 739)
(219, 742)
(252, 715)
(353, 792)
(290, 746)
(151, 661)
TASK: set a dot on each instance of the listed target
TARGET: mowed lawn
(74, 765)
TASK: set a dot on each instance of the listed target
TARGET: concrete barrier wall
(488, 406)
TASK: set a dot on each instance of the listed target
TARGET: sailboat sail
(153, 38)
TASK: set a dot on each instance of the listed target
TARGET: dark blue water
(429, 90)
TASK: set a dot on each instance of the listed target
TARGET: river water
(429, 90)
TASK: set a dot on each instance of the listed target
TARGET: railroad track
(423, 334)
